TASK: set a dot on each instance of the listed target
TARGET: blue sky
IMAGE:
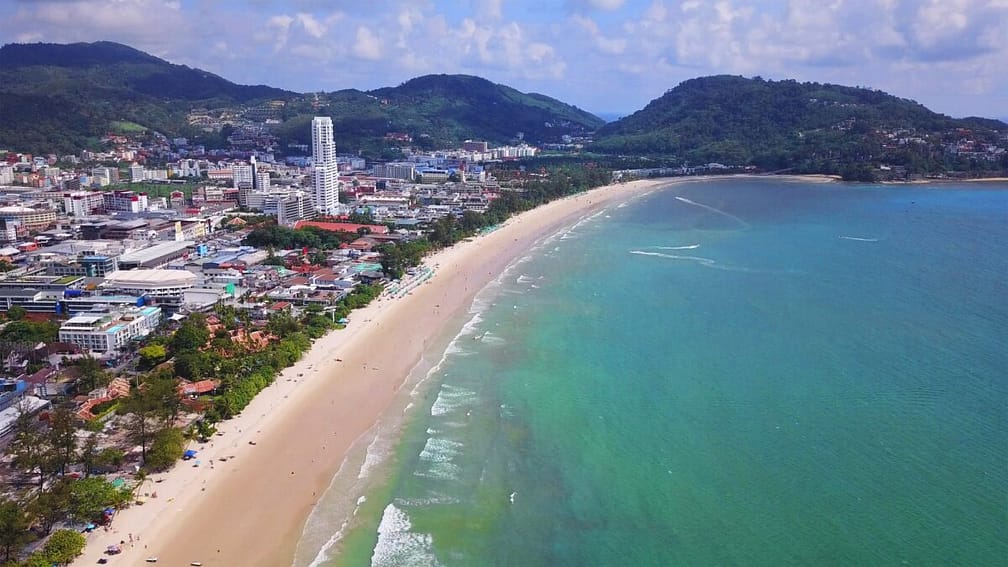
(601, 55)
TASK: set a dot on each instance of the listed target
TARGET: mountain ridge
(62, 97)
(44, 86)
(786, 124)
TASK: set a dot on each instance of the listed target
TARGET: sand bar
(250, 508)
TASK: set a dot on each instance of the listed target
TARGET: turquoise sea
(725, 372)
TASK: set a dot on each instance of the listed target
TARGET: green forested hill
(113, 69)
(461, 105)
(59, 98)
(442, 110)
(784, 124)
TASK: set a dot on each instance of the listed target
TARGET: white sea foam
(472, 326)
(524, 278)
(859, 238)
(377, 451)
(492, 339)
(398, 545)
(440, 471)
(440, 450)
(323, 554)
(438, 457)
(326, 513)
(451, 398)
(434, 500)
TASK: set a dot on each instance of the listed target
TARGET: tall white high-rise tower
(326, 170)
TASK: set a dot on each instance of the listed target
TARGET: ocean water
(726, 372)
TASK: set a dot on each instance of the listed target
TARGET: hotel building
(325, 166)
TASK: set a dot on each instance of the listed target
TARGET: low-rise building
(110, 332)
(92, 266)
(29, 218)
(153, 283)
(156, 256)
(83, 203)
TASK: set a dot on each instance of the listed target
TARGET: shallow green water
(741, 372)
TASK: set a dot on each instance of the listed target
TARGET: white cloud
(919, 48)
(367, 45)
(606, 4)
(314, 28)
(608, 45)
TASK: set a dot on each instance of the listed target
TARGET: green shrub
(166, 449)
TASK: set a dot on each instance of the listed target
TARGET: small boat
(195, 563)
(152, 559)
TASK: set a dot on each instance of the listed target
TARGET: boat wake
(686, 247)
(858, 238)
(742, 223)
(711, 263)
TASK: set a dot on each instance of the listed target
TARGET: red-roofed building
(118, 388)
(343, 226)
(197, 388)
(281, 306)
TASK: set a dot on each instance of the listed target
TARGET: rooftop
(163, 277)
(156, 251)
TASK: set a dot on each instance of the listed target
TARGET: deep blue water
(727, 372)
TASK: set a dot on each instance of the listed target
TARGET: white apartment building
(521, 151)
(262, 181)
(243, 175)
(83, 203)
(326, 169)
(396, 170)
(289, 207)
(112, 331)
(351, 163)
(103, 176)
(187, 168)
(137, 173)
(127, 201)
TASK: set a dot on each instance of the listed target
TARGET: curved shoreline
(250, 509)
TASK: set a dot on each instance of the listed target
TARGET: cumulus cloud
(608, 45)
(582, 5)
(312, 26)
(931, 47)
(367, 45)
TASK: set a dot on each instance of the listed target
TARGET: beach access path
(247, 501)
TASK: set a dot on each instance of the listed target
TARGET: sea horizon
(727, 371)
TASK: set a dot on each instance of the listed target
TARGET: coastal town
(151, 290)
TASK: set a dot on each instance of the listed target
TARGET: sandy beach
(258, 480)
